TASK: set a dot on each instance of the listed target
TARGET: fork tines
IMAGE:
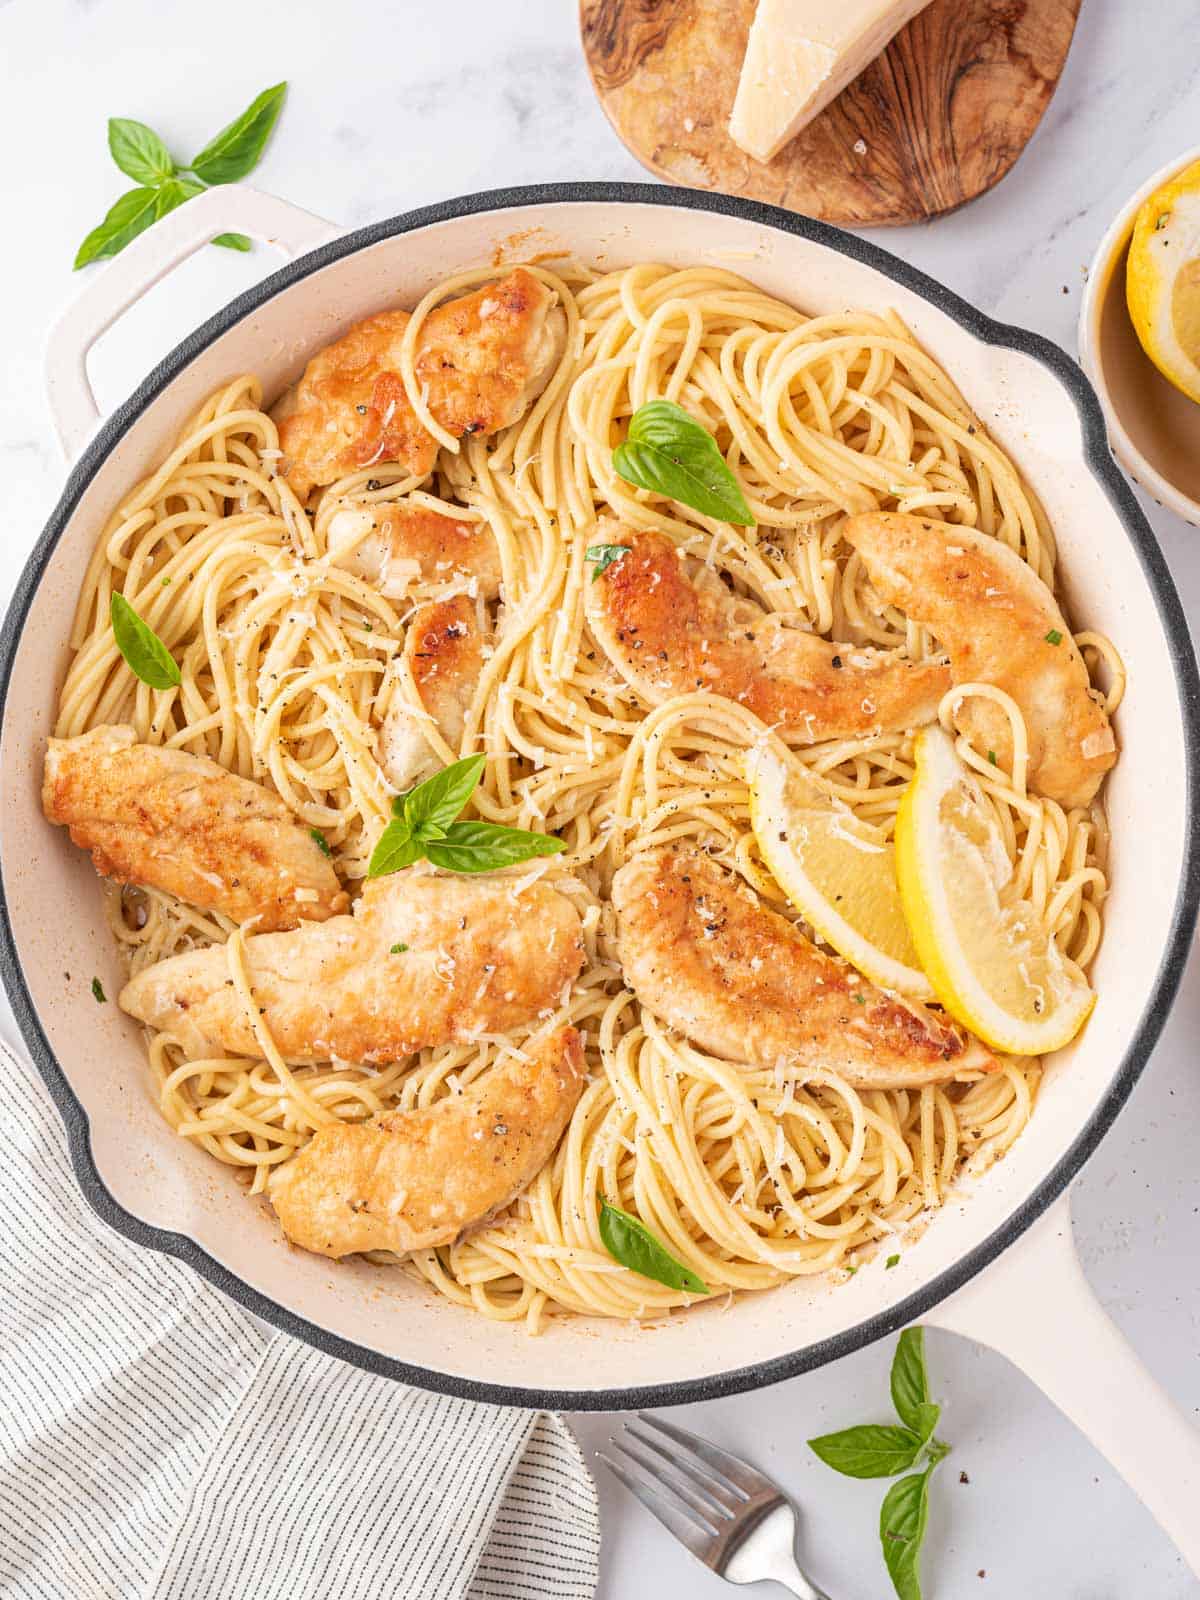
(693, 1487)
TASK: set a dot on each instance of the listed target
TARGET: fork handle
(785, 1572)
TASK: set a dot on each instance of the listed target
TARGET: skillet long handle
(1035, 1306)
(109, 292)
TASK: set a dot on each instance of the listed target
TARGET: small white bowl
(1153, 427)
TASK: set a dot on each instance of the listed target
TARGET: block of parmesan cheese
(800, 55)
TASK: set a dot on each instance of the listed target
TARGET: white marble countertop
(393, 106)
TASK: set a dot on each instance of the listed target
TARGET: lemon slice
(838, 872)
(992, 965)
(1162, 279)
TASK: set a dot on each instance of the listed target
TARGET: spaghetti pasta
(290, 663)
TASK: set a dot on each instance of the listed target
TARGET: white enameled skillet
(1031, 1302)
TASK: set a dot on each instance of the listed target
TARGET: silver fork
(728, 1515)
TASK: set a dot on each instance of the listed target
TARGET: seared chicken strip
(481, 360)
(393, 541)
(444, 652)
(670, 633)
(485, 357)
(1000, 625)
(704, 954)
(351, 409)
(181, 823)
(410, 1180)
(480, 958)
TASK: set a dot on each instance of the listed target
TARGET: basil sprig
(145, 654)
(881, 1450)
(162, 186)
(632, 1244)
(668, 452)
(425, 826)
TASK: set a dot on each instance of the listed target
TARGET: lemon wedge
(991, 963)
(838, 872)
(1162, 279)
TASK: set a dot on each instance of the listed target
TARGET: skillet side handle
(1035, 1306)
(229, 208)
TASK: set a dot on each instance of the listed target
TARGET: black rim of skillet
(1176, 944)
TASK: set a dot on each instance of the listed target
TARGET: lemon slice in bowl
(990, 961)
(838, 872)
(1162, 279)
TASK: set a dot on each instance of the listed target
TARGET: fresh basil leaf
(603, 556)
(173, 193)
(145, 654)
(395, 848)
(902, 1521)
(632, 1244)
(910, 1382)
(873, 1450)
(668, 452)
(440, 799)
(486, 846)
(127, 217)
(234, 241)
(236, 150)
(138, 151)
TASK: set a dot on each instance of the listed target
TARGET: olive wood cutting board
(938, 119)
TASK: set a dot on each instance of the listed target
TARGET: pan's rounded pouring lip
(1103, 468)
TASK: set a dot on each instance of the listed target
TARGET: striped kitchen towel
(157, 1444)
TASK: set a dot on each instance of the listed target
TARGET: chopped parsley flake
(1054, 637)
(892, 1261)
(992, 757)
(98, 993)
(398, 949)
(860, 999)
(320, 841)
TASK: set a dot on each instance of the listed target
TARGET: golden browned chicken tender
(410, 1180)
(481, 957)
(391, 542)
(181, 823)
(485, 357)
(1001, 625)
(444, 652)
(351, 409)
(480, 361)
(670, 633)
(703, 953)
